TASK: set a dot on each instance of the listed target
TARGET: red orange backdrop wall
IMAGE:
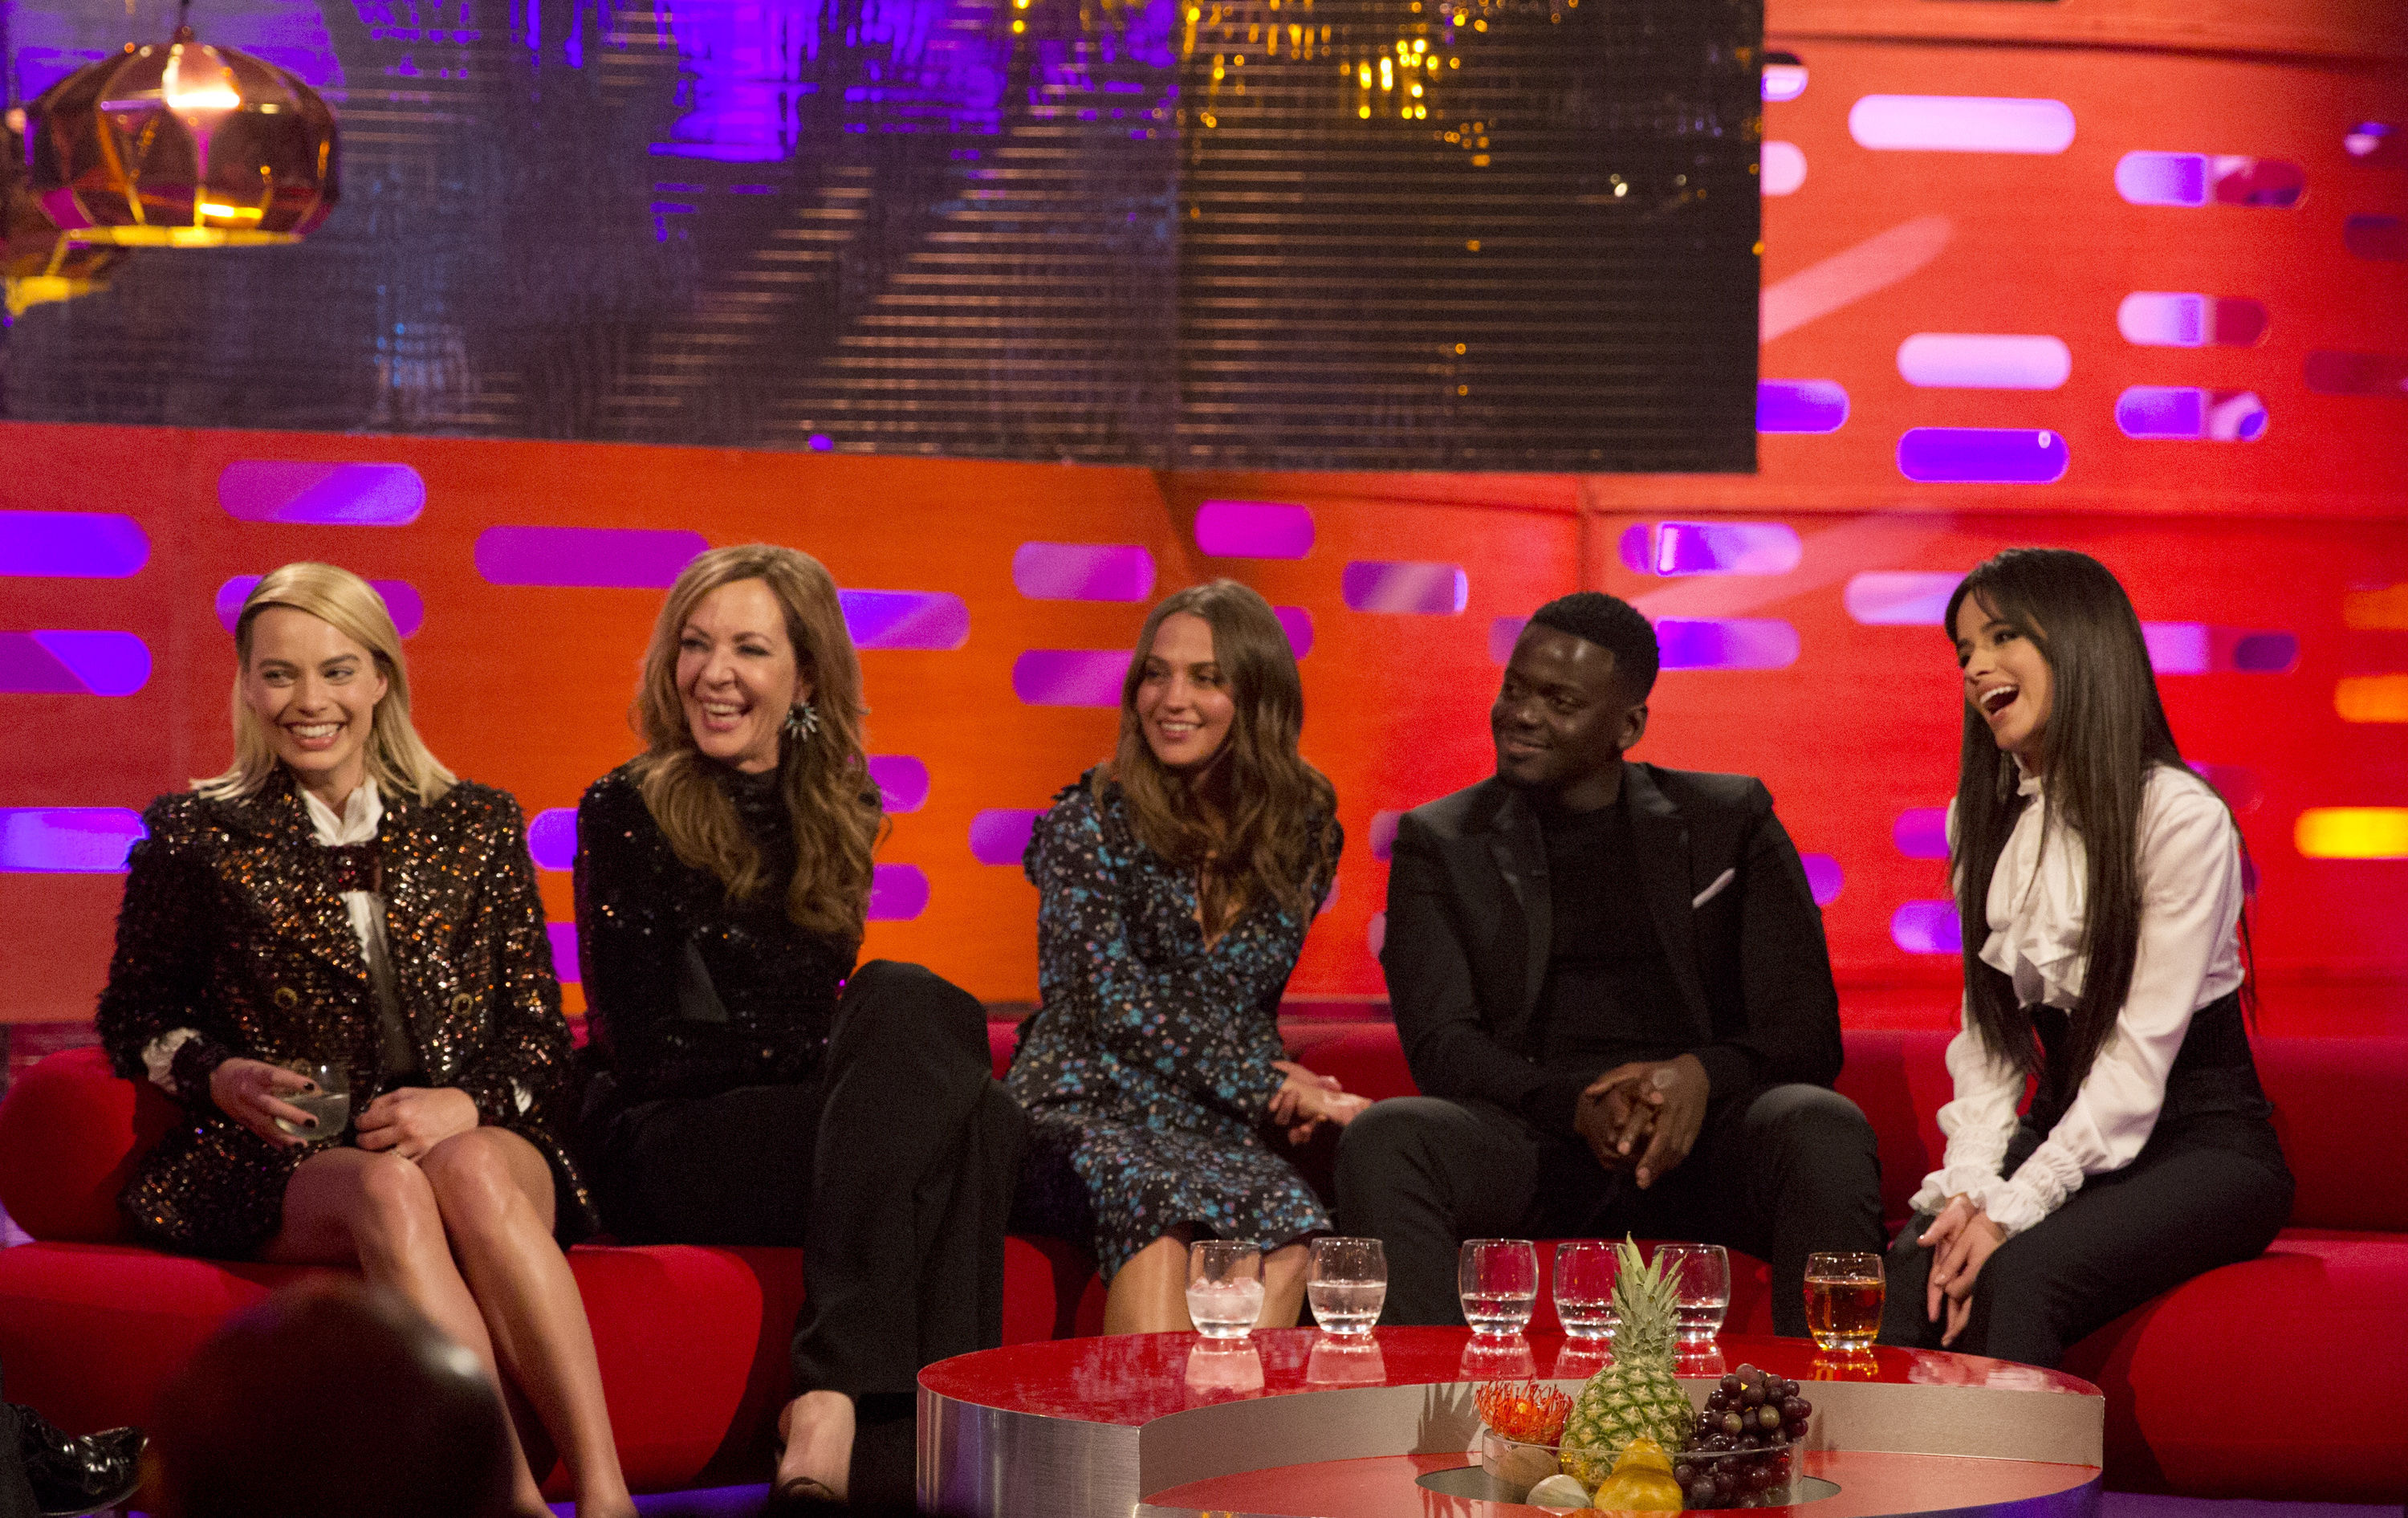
(2300, 531)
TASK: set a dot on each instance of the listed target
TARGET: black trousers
(1779, 1175)
(2202, 1193)
(894, 1173)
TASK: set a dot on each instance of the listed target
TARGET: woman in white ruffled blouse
(2099, 884)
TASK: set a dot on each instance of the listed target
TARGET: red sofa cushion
(2337, 1106)
(71, 1132)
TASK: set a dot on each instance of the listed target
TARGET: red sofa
(2283, 1378)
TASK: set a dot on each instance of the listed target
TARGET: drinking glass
(1844, 1302)
(1703, 1271)
(1348, 1284)
(1585, 1288)
(1224, 1287)
(1498, 1279)
(330, 1103)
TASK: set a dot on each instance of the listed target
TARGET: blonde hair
(397, 758)
(824, 777)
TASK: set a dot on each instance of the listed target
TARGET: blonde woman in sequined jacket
(337, 897)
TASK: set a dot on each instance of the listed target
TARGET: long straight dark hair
(1257, 818)
(2104, 732)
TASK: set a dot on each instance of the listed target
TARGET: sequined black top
(688, 993)
(234, 926)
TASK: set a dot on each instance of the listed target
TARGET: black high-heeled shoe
(75, 1474)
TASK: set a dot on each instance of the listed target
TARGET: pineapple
(1635, 1396)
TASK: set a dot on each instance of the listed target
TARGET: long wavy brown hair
(824, 777)
(1256, 820)
(2105, 732)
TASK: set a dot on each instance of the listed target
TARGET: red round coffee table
(1293, 1422)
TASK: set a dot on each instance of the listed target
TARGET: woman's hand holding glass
(1962, 1238)
(414, 1118)
(252, 1092)
(1304, 1101)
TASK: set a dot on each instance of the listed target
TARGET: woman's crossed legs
(464, 1233)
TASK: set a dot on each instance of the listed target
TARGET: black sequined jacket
(234, 926)
(688, 993)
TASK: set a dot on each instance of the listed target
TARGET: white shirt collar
(2027, 779)
(357, 824)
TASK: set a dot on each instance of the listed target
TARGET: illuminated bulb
(197, 82)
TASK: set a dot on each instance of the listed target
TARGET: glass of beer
(1844, 1302)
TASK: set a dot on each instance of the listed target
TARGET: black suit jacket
(1469, 938)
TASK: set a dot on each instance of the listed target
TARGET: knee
(1387, 1143)
(470, 1180)
(1816, 1119)
(396, 1204)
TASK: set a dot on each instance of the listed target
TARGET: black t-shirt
(1609, 995)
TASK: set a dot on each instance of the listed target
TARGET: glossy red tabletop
(1133, 1379)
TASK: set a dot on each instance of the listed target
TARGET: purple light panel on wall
(1921, 832)
(1982, 455)
(2163, 179)
(902, 781)
(2166, 318)
(1927, 927)
(1253, 530)
(564, 951)
(1815, 406)
(2376, 236)
(1697, 547)
(1824, 877)
(1297, 623)
(2331, 373)
(330, 494)
(1435, 590)
(2375, 142)
(552, 838)
(74, 840)
(1503, 633)
(1727, 643)
(1069, 677)
(1000, 835)
(2197, 648)
(897, 893)
(2149, 179)
(1082, 571)
(1984, 360)
(402, 602)
(1782, 169)
(1961, 123)
(1785, 76)
(72, 545)
(2186, 411)
(1383, 833)
(632, 558)
(906, 619)
(1899, 598)
(73, 662)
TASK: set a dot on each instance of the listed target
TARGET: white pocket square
(1714, 890)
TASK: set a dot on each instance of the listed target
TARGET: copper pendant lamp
(37, 263)
(185, 145)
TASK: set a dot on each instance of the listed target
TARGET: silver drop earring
(802, 722)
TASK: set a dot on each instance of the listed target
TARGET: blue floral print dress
(1147, 1072)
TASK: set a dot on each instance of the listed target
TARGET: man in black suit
(1612, 986)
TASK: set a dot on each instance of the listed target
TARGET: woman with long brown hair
(2100, 886)
(752, 1085)
(338, 901)
(1175, 883)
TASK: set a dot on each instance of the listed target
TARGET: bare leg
(816, 1429)
(1149, 1295)
(1284, 1270)
(494, 1192)
(346, 1207)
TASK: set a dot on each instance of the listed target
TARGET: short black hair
(1612, 624)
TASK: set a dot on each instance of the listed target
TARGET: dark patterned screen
(1383, 234)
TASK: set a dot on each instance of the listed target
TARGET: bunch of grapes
(1740, 1456)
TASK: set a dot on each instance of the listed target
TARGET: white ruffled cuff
(159, 1058)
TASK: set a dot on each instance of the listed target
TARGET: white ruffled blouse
(2189, 956)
